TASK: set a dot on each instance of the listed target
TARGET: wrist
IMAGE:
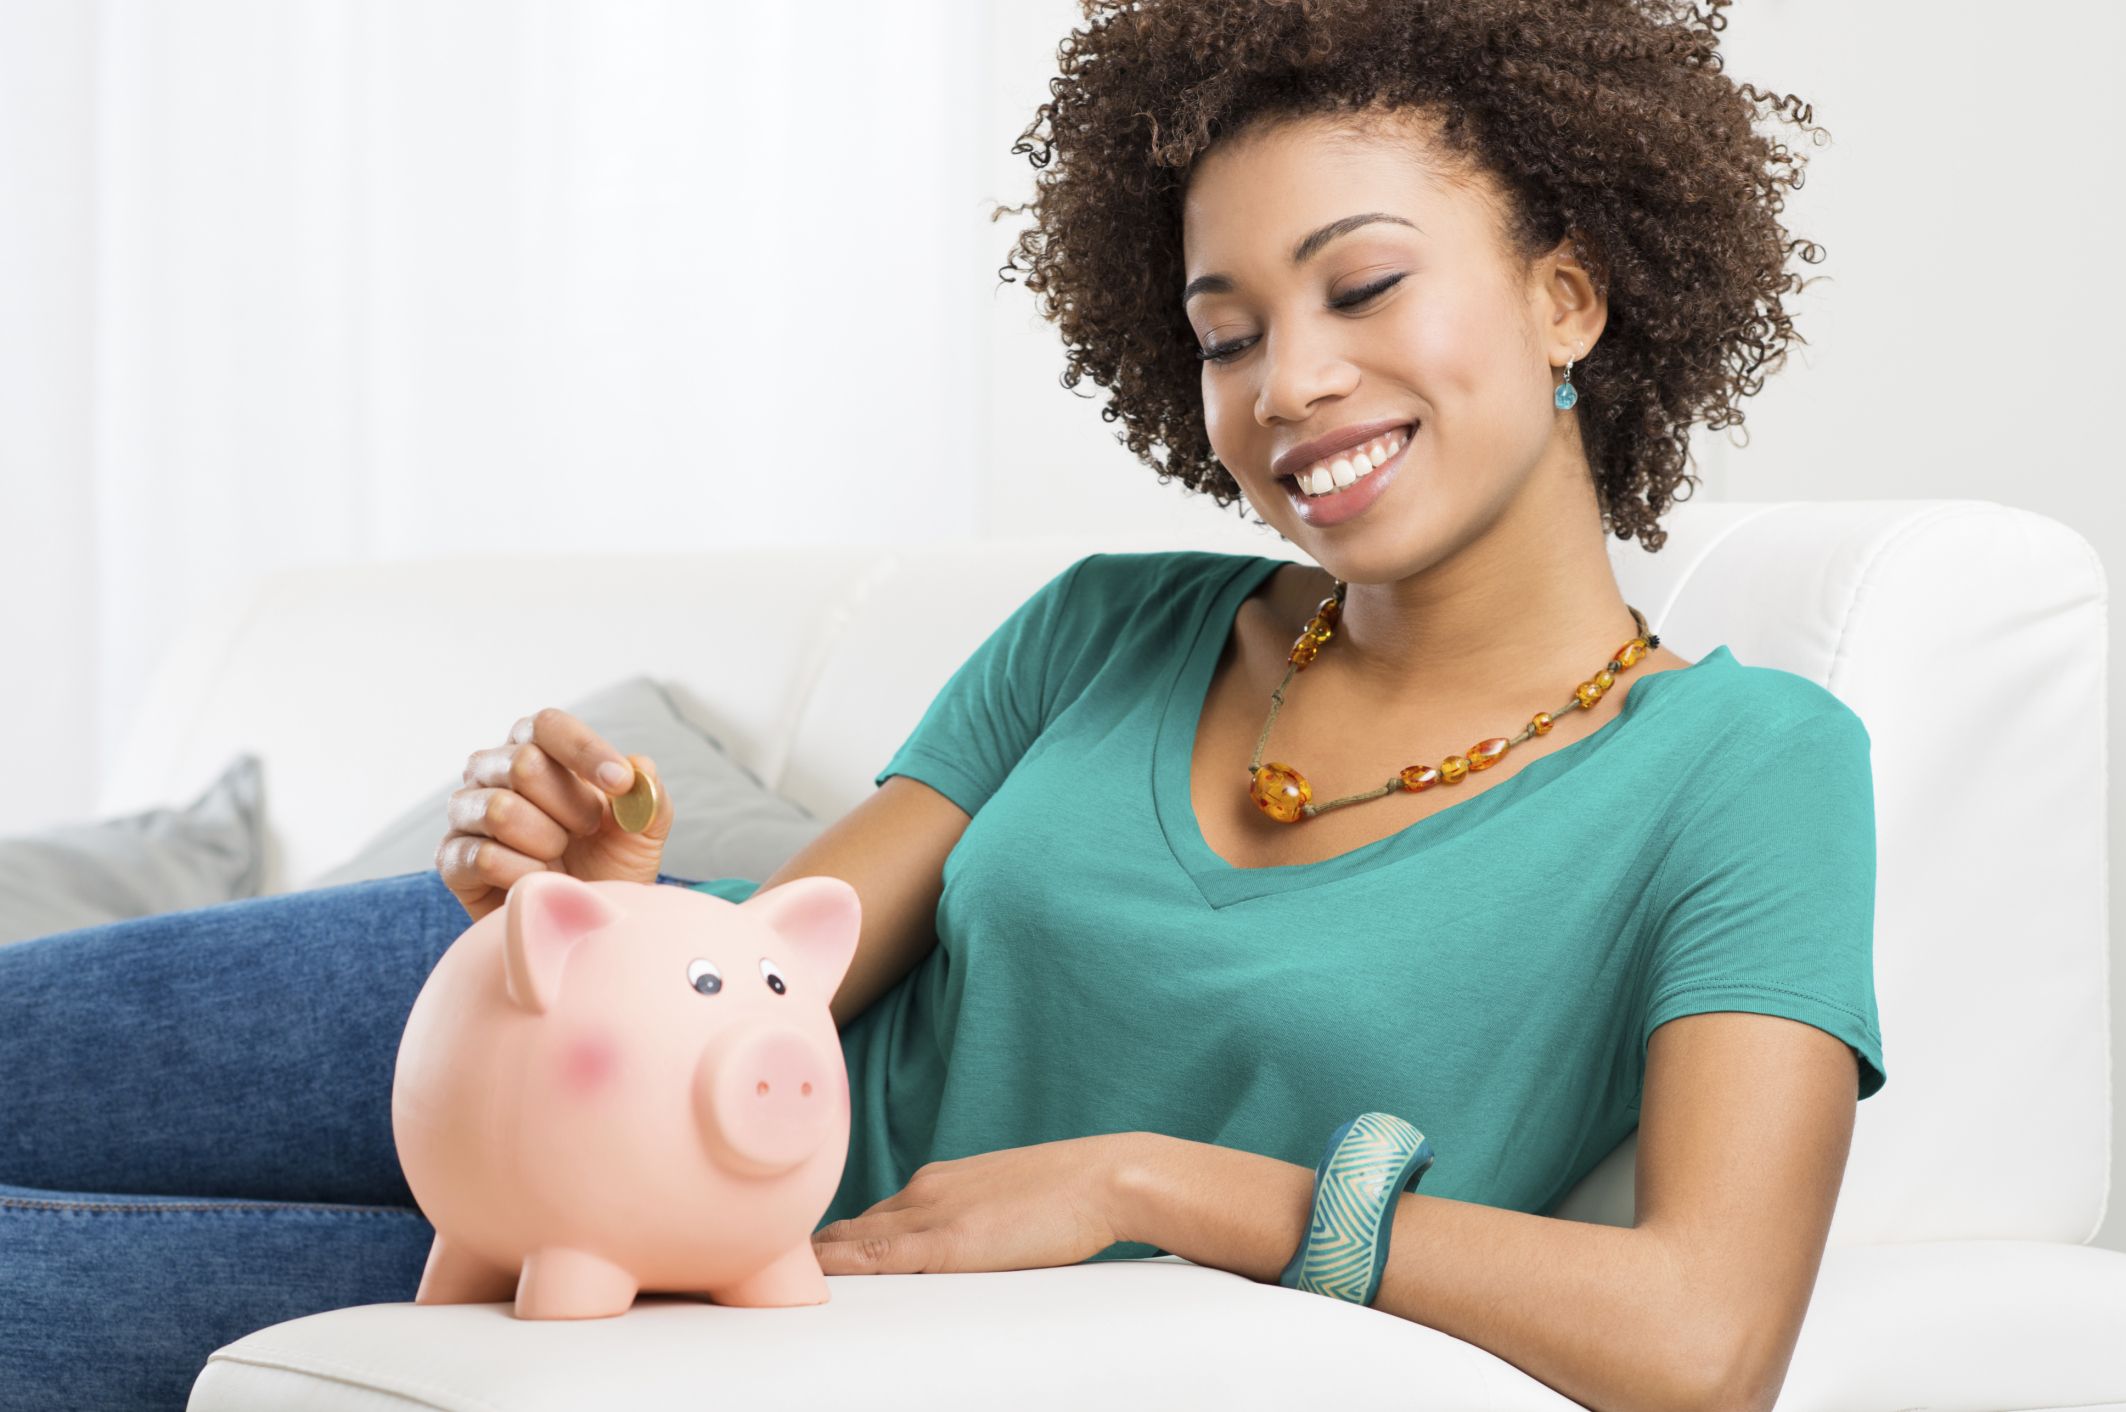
(1133, 1183)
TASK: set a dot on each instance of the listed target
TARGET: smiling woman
(1439, 290)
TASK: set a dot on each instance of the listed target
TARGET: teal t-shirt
(1491, 973)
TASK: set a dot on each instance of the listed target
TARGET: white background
(302, 281)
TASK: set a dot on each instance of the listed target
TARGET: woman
(1438, 290)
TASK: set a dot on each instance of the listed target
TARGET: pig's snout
(766, 1099)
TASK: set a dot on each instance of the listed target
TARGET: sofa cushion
(1980, 1323)
(725, 822)
(161, 860)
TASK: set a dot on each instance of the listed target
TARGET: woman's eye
(1226, 352)
(1371, 291)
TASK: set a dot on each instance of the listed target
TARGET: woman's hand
(538, 802)
(1024, 1208)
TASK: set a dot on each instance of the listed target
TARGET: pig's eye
(704, 977)
(772, 976)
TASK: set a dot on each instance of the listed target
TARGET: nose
(1303, 368)
(766, 1098)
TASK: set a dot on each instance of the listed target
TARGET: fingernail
(616, 775)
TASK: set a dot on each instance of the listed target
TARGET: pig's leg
(560, 1283)
(792, 1278)
(457, 1276)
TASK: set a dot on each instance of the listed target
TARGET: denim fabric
(195, 1133)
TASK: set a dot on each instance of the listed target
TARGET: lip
(1290, 463)
(1321, 512)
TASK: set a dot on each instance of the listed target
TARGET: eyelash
(1225, 352)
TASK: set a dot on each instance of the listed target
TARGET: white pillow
(165, 860)
(726, 823)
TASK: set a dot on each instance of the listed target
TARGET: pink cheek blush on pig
(611, 1088)
(589, 1062)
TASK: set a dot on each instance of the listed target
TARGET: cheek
(1226, 410)
(1449, 352)
(1237, 439)
(1470, 364)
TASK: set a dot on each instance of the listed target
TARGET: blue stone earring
(1566, 393)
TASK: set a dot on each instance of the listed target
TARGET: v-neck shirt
(1492, 972)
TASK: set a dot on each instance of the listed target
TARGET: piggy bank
(613, 1087)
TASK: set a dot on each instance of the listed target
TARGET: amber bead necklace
(1284, 794)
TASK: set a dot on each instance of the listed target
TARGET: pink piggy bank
(611, 1087)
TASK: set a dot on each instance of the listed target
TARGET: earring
(1566, 393)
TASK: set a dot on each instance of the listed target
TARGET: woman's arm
(1743, 1135)
(891, 848)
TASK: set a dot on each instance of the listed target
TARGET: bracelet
(1369, 1161)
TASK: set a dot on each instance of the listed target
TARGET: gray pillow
(165, 860)
(727, 824)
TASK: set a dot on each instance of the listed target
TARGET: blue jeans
(195, 1133)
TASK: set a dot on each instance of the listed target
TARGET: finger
(879, 1218)
(470, 864)
(570, 802)
(509, 818)
(578, 747)
(909, 1251)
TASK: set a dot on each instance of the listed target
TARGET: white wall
(302, 282)
(49, 683)
(317, 280)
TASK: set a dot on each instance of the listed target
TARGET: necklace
(1284, 794)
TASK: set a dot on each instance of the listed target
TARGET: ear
(546, 914)
(820, 917)
(1574, 307)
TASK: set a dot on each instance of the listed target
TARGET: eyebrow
(1301, 253)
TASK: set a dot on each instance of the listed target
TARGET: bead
(1284, 794)
(1485, 753)
(1280, 791)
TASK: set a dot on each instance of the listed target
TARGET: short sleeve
(994, 707)
(1766, 898)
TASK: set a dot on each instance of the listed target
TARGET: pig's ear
(820, 917)
(548, 913)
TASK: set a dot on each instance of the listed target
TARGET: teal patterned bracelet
(1369, 1162)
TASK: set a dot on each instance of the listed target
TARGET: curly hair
(1608, 120)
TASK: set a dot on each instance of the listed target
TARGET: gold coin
(634, 810)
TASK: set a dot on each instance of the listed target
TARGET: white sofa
(1969, 635)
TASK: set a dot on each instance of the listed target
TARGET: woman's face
(1401, 308)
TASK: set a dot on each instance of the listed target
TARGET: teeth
(1340, 470)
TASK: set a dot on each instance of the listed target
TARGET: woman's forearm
(1600, 1313)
